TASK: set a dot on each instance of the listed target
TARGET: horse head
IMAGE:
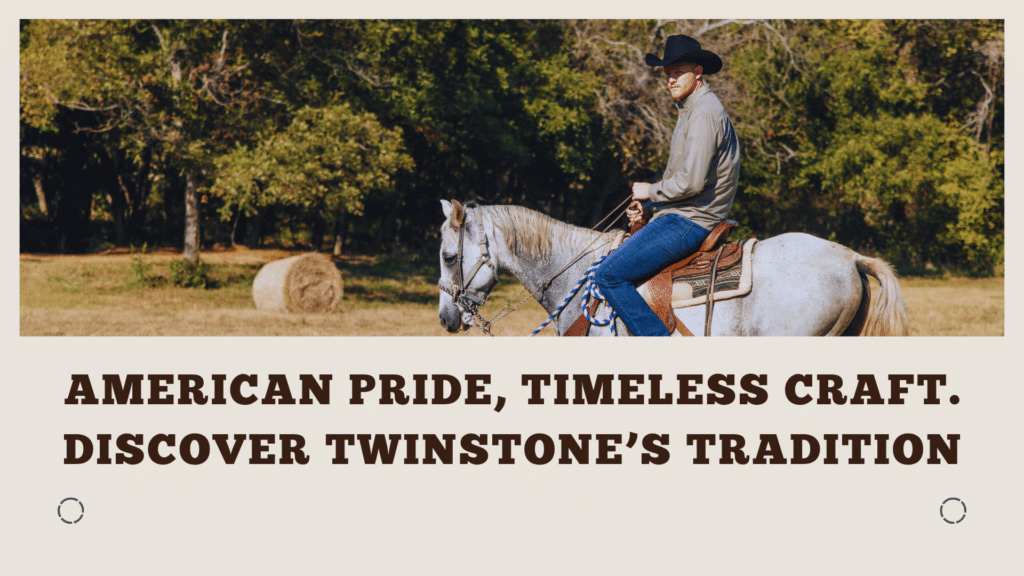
(468, 272)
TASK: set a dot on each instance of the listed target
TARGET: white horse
(802, 285)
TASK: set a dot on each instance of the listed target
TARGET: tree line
(883, 135)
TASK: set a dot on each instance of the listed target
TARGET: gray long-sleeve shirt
(703, 163)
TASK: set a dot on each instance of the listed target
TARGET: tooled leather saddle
(716, 254)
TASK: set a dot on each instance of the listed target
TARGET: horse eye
(449, 259)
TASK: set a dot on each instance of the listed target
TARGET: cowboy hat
(680, 48)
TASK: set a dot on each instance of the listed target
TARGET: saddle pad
(729, 283)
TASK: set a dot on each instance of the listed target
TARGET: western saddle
(715, 252)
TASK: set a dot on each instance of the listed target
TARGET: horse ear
(446, 207)
(458, 214)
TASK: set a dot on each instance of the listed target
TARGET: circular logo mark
(953, 510)
(70, 510)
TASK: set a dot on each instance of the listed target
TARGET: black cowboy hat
(680, 48)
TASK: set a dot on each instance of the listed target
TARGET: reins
(547, 284)
(472, 307)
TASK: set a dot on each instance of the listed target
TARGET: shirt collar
(687, 104)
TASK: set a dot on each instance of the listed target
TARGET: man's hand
(641, 191)
(635, 214)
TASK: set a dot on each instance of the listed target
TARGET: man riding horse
(693, 196)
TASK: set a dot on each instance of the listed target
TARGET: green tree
(489, 110)
(851, 131)
(883, 135)
(326, 161)
(189, 88)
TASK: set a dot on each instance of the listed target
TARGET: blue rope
(592, 291)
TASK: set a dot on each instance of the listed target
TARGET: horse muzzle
(451, 319)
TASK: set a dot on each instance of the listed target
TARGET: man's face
(683, 78)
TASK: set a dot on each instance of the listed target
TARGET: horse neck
(535, 248)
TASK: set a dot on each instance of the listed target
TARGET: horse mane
(530, 234)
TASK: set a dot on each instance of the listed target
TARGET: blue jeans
(662, 242)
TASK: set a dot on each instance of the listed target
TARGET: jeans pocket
(689, 233)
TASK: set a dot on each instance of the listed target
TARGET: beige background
(606, 519)
(358, 519)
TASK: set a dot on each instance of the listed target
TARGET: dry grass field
(101, 295)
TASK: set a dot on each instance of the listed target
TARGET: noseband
(467, 299)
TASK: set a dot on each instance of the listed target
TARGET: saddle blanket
(731, 282)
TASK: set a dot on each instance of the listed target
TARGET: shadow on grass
(400, 296)
(228, 274)
(382, 280)
(218, 276)
(405, 280)
(393, 267)
(391, 280)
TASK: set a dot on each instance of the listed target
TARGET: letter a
(81, 386)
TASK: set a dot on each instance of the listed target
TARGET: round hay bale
(307, 283)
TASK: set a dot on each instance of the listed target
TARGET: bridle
(467, 299)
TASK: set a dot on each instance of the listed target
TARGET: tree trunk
(142, 185)
(252, 230)
(234, 227)
(37, 181)
(191, 252)
(117, 194)
(340, 227)
(386, 223)
(317, 236)
(119, 205)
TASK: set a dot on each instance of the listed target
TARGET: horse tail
(888, 314)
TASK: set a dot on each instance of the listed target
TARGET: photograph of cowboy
(314, 177)
(694, 195)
